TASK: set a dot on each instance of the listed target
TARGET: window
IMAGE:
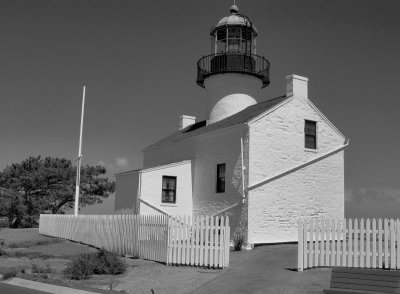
(310, 134)
(168, 189)
(221, 178)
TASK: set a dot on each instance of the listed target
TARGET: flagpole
(78, 166)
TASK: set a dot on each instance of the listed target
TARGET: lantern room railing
(232, 62)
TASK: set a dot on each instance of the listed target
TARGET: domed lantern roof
(233, 50)
(235, 19)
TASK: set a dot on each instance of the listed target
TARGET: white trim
(153, 206)
(150, 169)
(256, 118)
(325, 119)
(293, 169)
(128, 172)
(229, 207)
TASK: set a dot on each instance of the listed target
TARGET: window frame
(221, 181)
(168, 190)
(307, 134)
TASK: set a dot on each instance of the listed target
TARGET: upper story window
(168, 189)
(221, 178)
(310, 134)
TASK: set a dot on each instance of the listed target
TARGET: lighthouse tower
(232, 74)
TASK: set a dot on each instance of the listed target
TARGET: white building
(264, 163)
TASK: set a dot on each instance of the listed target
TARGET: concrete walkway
(268, 269)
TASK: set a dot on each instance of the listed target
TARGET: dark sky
(138, 61)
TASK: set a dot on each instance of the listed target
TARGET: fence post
(398, 243)
(368, 239)
(300, 247)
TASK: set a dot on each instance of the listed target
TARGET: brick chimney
(297, 86)
(186, 120)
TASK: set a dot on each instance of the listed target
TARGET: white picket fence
(174, 240)
(349, 243)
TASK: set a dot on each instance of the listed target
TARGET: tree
(47, 185)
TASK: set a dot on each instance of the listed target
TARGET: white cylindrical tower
(232, 74)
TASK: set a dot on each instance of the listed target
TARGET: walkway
(267, 269)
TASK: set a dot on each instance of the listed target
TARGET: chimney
(186, 120)
(297, 86)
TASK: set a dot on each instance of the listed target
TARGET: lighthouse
(233, 73)
(265, 162)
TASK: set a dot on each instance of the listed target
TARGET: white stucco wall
(206, 152)
(127, 185)
(315, 191)
(276, 145)
(151, 189)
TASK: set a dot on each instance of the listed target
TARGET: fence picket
(368, 243)
(333, 250)
(327, 243)
(398, 243)
(311, 251)
(316, 243)
(362, 248)
(344, 244)
(380, 242)
(322, 244)
(355, 248)
(392, 245)
(339, 250)
(212, 228)
(386, 243)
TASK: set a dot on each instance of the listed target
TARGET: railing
(349, 243)
(233, 62)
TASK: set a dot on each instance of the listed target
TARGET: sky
(138, 62)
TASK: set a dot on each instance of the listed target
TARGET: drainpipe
(243, 189)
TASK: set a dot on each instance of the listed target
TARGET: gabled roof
(201, 128)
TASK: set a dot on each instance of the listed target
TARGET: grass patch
(27, 254)
(102, 262)
(26, 244)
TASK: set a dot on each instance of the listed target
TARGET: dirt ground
(265, 269)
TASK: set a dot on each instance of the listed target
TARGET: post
(243, 189)
(300, 246)
(78, 166)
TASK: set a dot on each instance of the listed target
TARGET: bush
(102, 262)
(238, 241)
(10, 273)
(40, 269)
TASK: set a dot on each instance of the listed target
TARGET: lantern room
(234, 34)
(233, 50)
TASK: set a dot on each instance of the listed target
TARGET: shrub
(40, 269)
(102, 262)
(13, 245)
(10, 273)
(238, 241)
